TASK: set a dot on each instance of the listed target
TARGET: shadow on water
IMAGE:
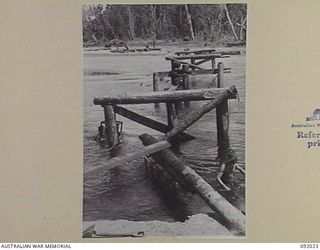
(127, 192)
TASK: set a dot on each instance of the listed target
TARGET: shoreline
(192, 43)
(165, 49)
(198, 225)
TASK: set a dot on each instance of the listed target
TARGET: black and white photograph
(164, 95)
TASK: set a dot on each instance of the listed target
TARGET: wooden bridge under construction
(180, 116)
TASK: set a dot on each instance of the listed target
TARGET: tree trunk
(189, 22)
(94, 38)
(242, 27)
(106, 24)
(230, 22)
(180, 22)
(153, 21)
(160, 20)
(131, 24)
(219, 22)
(211, 25)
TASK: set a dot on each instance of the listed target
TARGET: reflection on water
(127, 192)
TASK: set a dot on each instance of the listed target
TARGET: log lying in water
(190, 117)
(167, 159)
(164, 96)
(120, 160)
(199, 57)
(201, 51)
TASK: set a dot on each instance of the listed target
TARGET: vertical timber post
(220, 75)
(172, 120)
(186, 81)
(176, 139)
(156, 87)
(213, 63)
(222, 117)
(111, 133)
(193, 61)
(186, 84)
(176, 81)
(169, 107)
(172, 72)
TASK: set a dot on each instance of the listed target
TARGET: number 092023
(309, 245)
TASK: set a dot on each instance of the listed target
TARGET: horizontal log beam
(231, 52)
(195, 72)
(163, 96)
(158, 126)
(120, 160)
(199, 57)
(195, 51)
(208, 71)
(182, 62)
(195, 183)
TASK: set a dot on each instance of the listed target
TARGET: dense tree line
(212, 22)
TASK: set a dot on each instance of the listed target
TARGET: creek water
(127, 192)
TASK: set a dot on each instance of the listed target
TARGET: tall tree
(153, 21)
(189, 20)
(230, 22)
(131, 23)
(104, 17)
(242, 26)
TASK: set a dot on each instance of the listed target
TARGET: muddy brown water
(128, 192)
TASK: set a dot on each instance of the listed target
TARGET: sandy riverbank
(199, 225)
